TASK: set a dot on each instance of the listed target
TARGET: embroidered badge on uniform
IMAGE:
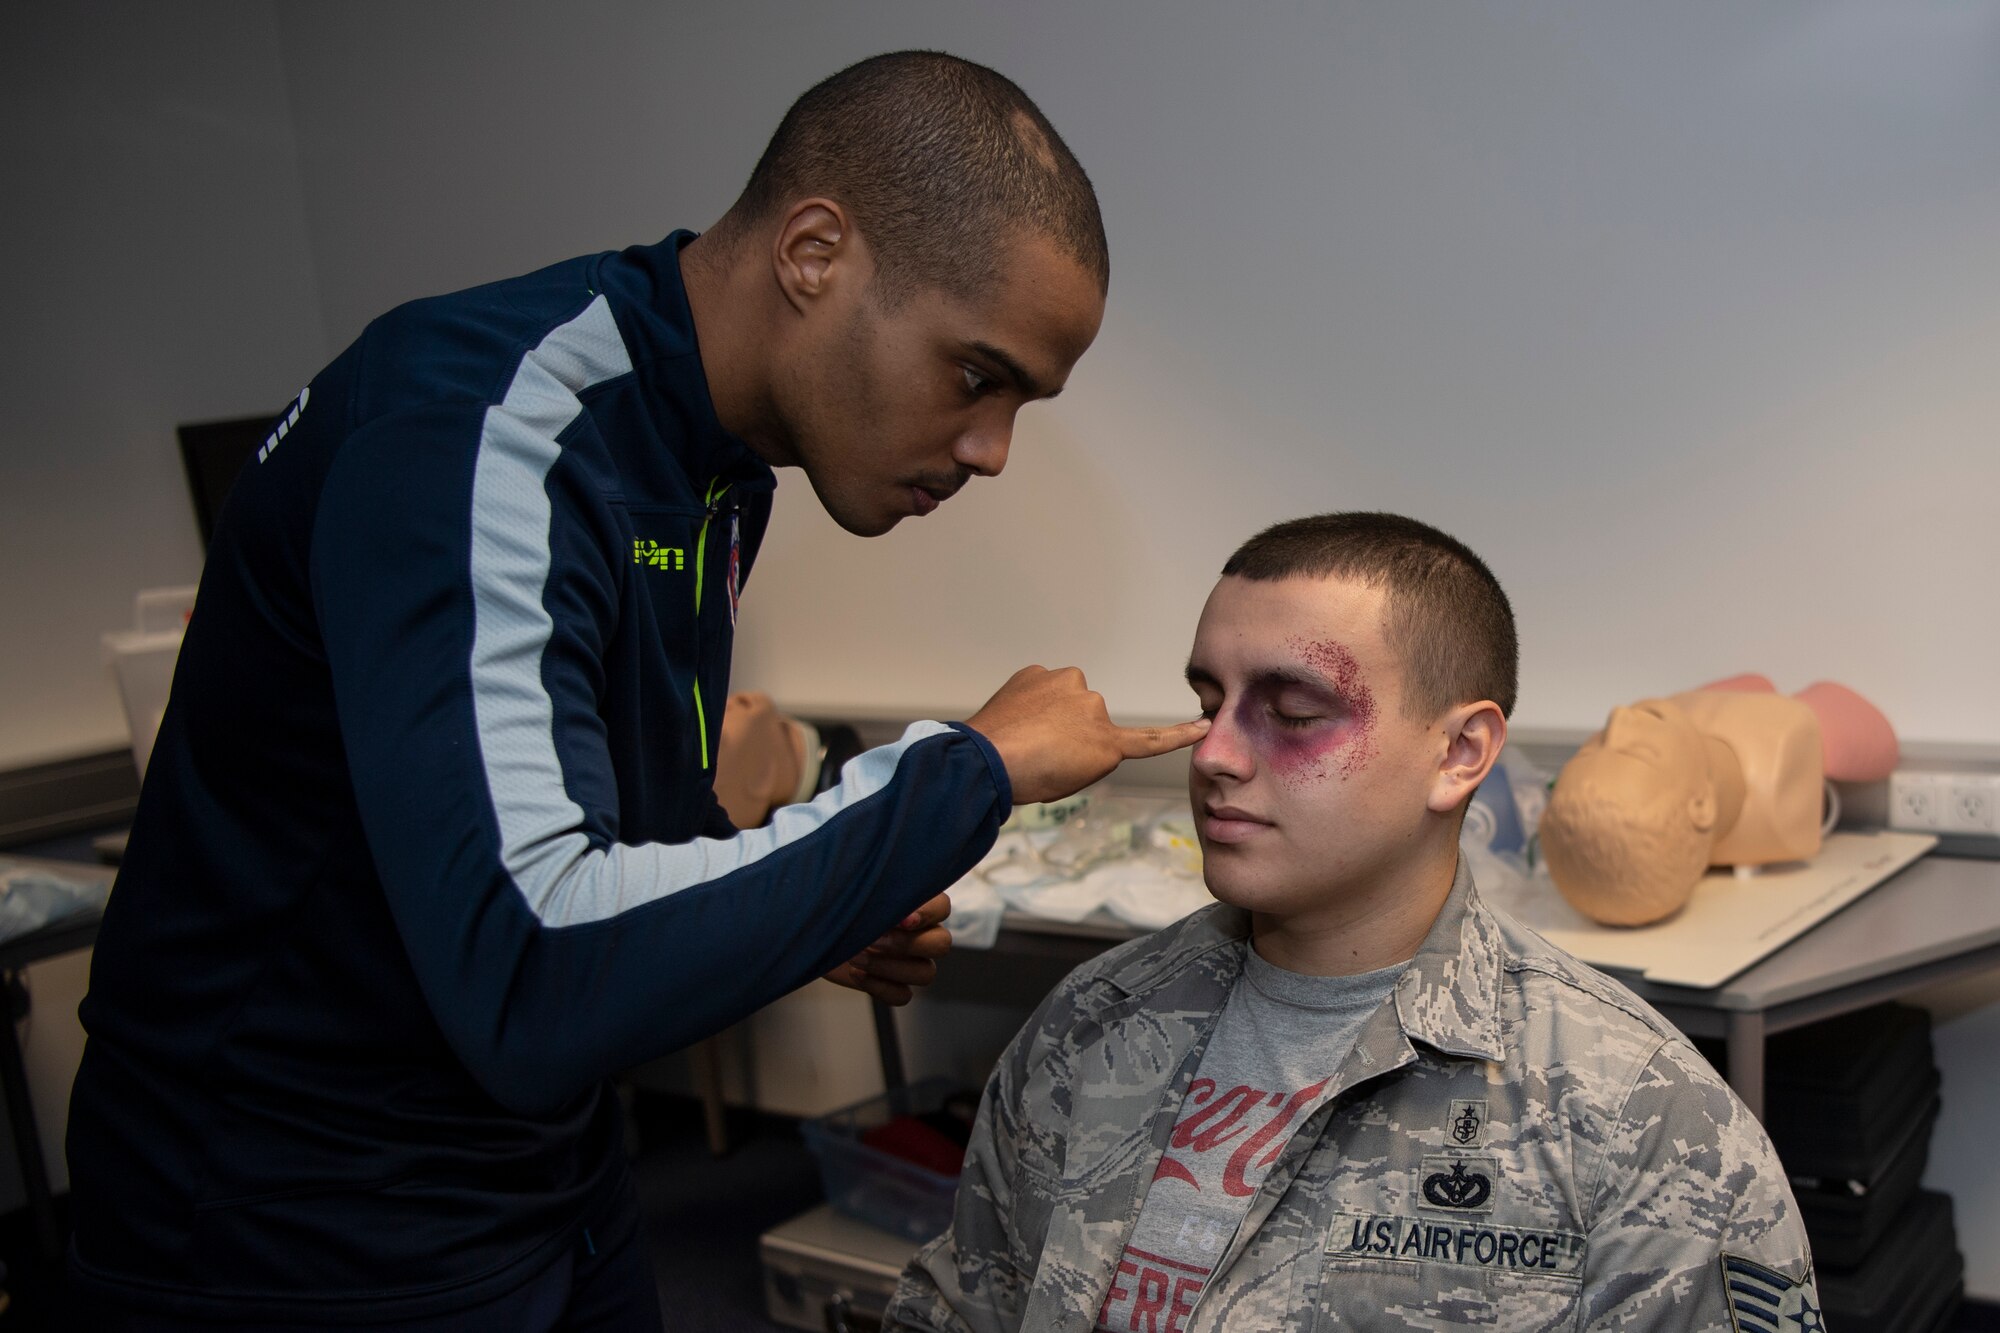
(1458, 1184)
(1763, 1300)
(735, 566)
(1467, 1125)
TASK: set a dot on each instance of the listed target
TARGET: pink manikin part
(1747, 683)
(1859, 742)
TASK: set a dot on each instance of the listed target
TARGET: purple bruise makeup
(1344, 740)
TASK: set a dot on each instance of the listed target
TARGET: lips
(929, 491)
(1228, 824)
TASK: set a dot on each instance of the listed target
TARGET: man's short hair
(940, 162)
(1449, 621)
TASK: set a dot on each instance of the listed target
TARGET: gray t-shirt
(1268, 1065)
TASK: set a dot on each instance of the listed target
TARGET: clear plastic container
(872, 1186)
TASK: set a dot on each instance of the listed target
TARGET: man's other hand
(892, 967)
(1055, 737)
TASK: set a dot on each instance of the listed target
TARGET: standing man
(428, 846)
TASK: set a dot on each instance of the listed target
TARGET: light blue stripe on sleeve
(561, 878)
(600, 884)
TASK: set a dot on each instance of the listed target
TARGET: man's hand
(1055, 737)
(891, 967)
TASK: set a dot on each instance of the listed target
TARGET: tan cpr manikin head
(760, 760)
(1672, 786)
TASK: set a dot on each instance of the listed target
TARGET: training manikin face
(758, 761)
(1630, 823)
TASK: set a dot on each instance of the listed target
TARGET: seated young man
(1350, 1095)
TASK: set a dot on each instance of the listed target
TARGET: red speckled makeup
(1309, 726)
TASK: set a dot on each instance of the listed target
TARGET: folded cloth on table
(976, 909)
(1145, 889)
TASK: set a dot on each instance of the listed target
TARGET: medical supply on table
(1498, 837)
(1101, 833)
(32, 897)
(1131, 859)
(1046, 814)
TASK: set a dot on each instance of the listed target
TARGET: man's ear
(1473, 736)
(814, 249)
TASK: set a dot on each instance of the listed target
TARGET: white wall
(157, 273)
(1683, 315)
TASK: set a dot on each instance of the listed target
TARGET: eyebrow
(1277, 675)
(1026, 383)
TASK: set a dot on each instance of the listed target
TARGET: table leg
(1745, 1040)
(889, 1045)
(706, 1058)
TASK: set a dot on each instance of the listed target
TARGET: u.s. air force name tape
(1426, 1240)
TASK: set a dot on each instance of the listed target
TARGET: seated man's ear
(1473, 735)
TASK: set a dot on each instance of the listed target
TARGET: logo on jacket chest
(648, 552)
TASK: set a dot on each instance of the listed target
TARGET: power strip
(1935, 801)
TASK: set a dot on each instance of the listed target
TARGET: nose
(983, 449)
(1222, 753)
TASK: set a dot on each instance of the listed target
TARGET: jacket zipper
(717, 488)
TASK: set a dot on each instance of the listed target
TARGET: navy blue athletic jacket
(427, 846)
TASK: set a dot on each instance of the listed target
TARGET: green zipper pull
(717, 488)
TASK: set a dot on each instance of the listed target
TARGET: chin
(869, 527)
(859, 523)
(851, 515)
(1239, 887)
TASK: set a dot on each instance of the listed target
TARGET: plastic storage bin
(872, 1186)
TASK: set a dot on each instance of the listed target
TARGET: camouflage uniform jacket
(1516, 1142)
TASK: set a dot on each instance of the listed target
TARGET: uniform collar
(649, 301)
(1450, 996)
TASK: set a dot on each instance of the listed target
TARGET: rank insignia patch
(1458, 1184)
(1762, 1300)
(1467, 1125)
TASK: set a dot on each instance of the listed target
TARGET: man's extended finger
(1145, 742)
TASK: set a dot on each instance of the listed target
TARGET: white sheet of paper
(1729, 923)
